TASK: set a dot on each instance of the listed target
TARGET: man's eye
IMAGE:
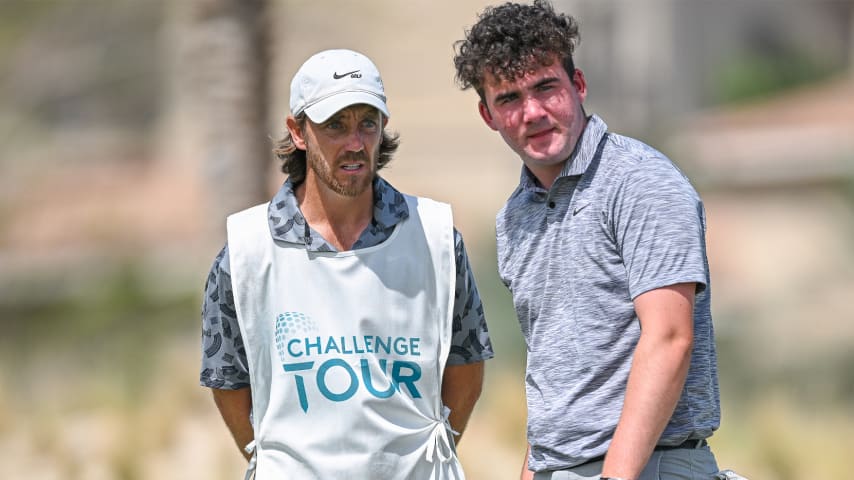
(506, 99)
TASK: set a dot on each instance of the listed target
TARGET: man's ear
(297, 132)
(486, 115)
(580, 83)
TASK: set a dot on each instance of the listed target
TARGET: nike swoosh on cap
(337, 77)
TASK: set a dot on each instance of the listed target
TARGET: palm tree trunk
(225, 64)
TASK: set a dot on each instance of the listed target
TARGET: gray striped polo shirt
(620, 220)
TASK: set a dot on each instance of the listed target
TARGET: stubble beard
(354, 185)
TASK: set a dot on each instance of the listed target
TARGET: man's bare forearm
(659, 368)
(234, 407)
(461, 388)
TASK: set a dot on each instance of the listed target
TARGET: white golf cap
(335, 79)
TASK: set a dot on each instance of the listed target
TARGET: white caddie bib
(346, 350)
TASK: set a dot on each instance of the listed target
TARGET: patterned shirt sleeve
(224, 364)
(470, 342)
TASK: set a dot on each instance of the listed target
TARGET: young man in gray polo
(602, 245)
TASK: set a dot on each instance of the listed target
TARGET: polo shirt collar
(288, 225)
(586, 148)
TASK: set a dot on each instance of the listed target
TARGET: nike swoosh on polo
(578, 209)
(337, 77)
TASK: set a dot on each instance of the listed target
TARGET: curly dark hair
(512, 39)
(294, 160)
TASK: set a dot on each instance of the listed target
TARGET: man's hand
(526, 474)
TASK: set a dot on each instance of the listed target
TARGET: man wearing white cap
(343, 334)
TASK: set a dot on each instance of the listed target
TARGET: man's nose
(355, 141)
(532, 110)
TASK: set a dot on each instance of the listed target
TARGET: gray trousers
(677, 464)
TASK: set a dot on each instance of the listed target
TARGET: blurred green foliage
(752, 75)
(108, 333)
(18, 17)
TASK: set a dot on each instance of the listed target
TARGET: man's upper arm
(667, 311)
(463, 380)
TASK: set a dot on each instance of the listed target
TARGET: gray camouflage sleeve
(223, 364)
(470, 342)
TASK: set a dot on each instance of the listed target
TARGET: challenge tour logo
(335, 378)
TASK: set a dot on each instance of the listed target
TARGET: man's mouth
(353, 162)
(540, 134)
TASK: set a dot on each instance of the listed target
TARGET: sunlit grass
(775, 438)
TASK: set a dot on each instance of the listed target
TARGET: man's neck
(546, 176)
(339, 219)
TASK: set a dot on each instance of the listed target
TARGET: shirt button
(551, 204)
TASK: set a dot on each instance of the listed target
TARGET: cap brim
(322, 110)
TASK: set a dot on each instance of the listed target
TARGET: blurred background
(130, 129)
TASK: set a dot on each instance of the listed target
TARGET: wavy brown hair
(512, 39)
(294, 160)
